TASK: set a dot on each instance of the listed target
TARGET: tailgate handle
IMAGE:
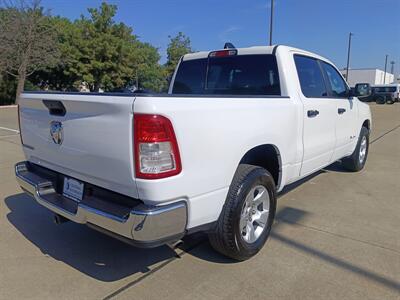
(55, 107)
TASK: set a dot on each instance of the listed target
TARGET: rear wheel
(247, 216)
(389, 101)
(356, 161)
(380, 100)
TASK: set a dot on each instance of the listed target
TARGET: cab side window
(310, 76)
(338, 87)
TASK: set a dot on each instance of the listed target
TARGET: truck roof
(255, 50)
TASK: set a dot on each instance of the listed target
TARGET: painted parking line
(8, 106)
(9, 129)
(7, 136)
(382, 135)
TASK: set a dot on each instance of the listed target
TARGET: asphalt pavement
(336, 236)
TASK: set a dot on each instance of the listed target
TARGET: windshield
(230, 75)
(385, 89)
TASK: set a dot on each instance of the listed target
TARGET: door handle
(341, 111)
(312, 113)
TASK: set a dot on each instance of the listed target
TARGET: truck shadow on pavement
(90, 252)
(294, 217)
(93, 253)
(108, 259)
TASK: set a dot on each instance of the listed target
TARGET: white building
(371, 76)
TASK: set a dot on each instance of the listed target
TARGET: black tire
(353, 163)
(227, 238)
(390, 101)
(380, 100)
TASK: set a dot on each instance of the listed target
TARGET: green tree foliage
(148, 72)
(178, 46)
(101, 53)
(27, 42)
(104, 49)
(8, 88)
(64, 76)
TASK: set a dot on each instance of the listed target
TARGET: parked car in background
(390, 93)
(237, 126)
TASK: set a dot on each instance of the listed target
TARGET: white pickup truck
(236, 126)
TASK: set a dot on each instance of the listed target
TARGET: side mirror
(362, 90)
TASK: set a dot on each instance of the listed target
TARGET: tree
(27, 41)
(149, 74)
(94, 50)
(64, 76)
(177, 47)
(103, 54)
(8, 87)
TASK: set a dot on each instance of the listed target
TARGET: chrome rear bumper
(146, 226)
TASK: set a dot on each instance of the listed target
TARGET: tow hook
(58, 219)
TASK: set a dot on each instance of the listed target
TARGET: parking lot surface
(336, 235)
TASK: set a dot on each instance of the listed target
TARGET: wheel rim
(254, 215)
(363, 150)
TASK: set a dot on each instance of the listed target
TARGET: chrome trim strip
(101, 213)
(49, 93)
(159, 210)
(147, 224)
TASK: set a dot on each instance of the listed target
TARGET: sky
(320, 26)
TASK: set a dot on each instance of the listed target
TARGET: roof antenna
(229, 46)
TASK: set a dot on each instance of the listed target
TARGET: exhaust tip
(58, 219)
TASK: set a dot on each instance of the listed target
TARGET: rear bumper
(145, 226)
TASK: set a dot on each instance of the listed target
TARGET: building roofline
(365, 69)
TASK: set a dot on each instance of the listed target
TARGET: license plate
(73, 189)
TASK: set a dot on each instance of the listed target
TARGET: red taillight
(222, 53)
(156, 148)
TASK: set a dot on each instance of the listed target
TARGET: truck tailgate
(91, 140)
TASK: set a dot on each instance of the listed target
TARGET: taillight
(156, 148)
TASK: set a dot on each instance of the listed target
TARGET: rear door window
(230, 75)
(310, 76)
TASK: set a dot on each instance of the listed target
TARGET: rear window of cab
(229, 75)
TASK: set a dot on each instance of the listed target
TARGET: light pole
(392, 67)
(348, 57)
(384, 75)
(271, 22)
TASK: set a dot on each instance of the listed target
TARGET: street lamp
(271, 22)
(348, 56)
